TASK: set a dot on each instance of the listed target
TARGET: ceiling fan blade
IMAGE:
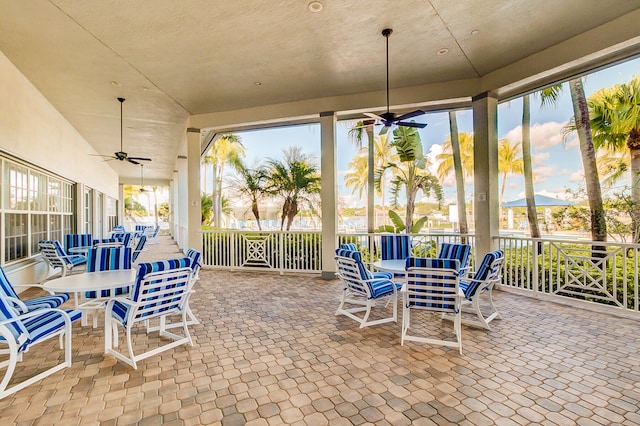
(132, 161)
(374, 116)
(140, 158)
(102, 155)
(410, 115)
(412, 124)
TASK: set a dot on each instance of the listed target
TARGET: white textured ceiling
(178, 58)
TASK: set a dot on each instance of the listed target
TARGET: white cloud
(543, 136)
(541, 158)
(577, 176)
(542, 173)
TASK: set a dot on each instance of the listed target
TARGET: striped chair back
(142, 241)
(53, 253)
(432, 284)
(395, 246)
(460, 252)
(108, 259)
(488, 273)
(141, 228)
(123, 237)
(77, 240)
(5, 286)
(15, 328)
(119, 228)
(349, 246)
(196, 260)
(106, 241)
(144, 269)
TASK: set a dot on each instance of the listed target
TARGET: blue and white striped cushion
(16, 328)
(120, 310)
(470, 287)
(77, 240)
(395, 247)
(142, 240)
(349, 246)
(161, 265)
(52, 301)
(105, 241)
(365, 274)
(123, 237)
(108, 259)
(37, 303)
(196, 259)
(457, 251)
(432, 300)
(382, 287)
(43, 325)
(5, 285)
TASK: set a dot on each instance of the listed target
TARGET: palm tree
(411, 173)
(615, 123)
(250, 184)
(509, 161)
(379, 153)
(296, 180)
(457, 156)
(582, 126)
(225, 150)
(357, 174)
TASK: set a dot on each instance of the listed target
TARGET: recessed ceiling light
(116, 83)
(442, 51)
(257, 83)
(315, 6)
(475, 32)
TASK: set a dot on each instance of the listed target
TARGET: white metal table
(395, 266)
(91, 281)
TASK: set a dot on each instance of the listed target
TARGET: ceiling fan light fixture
(315, 6)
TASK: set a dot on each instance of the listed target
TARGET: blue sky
(557, 163)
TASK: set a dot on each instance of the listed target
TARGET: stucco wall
(33, 130)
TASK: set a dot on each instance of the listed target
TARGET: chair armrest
(35, 314)
(17, 305)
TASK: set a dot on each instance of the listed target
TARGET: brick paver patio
(269, 350)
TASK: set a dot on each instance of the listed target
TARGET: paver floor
(269, 350)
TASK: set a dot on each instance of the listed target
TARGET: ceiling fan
(388, 118)
(121, 155)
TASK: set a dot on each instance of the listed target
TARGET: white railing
(292, 251)
(582, 272)
(568, 270)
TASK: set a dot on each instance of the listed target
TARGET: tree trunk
(592, 180)
(457, 167)
(633, 143)
(293, 211)
(256, 213)
(532, 215)
(214, 194)
(411, 197)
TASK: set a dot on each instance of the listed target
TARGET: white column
(328, 193)
(485, 169)
(182, 202)
(194, 239)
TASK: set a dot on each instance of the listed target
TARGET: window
(35, 206)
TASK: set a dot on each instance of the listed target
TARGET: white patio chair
(432, 286)
(20, 332)
(162, 289)
(360, 288)
(481, 284)
(57, 258)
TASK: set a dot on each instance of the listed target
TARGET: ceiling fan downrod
(387, 33)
